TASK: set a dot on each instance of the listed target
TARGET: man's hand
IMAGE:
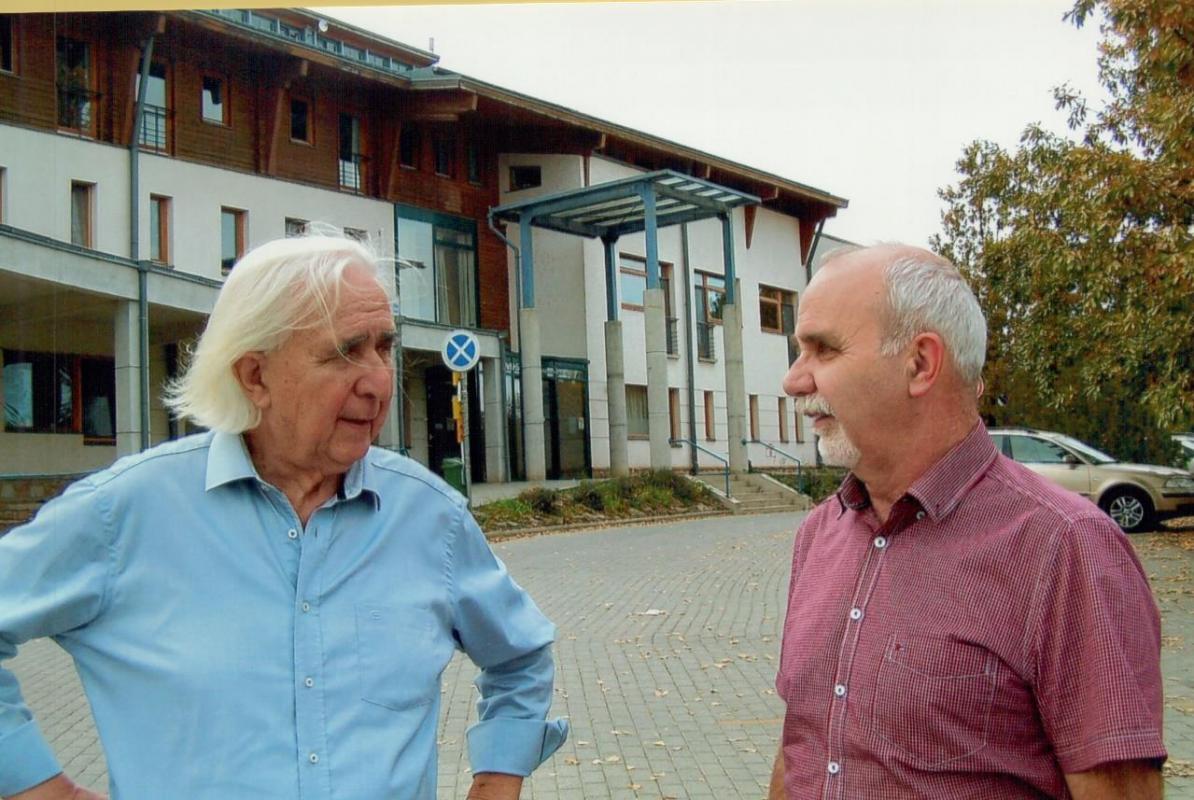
(59, 787)
(495, 786)
(1119, 780)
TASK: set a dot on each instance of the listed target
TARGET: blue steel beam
(647, 192)
(611, 276)
(727, 249)
(527, 262)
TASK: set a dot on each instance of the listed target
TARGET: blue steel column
(532, 363)
(658, 422)
(615, 367)
(735, 373)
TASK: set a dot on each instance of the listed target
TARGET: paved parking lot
(667, 646)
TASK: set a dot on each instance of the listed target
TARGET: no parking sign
(461, 351)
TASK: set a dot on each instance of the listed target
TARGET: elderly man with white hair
(957, 626)
(264, 610)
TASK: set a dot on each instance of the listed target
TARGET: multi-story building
(142, 153)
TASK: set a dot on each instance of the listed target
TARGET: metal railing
(708, 452)
(153, 133)
(351, 172)
(706, 344)
(74, 107)
(673, 336)
(799, 464)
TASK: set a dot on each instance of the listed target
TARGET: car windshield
(1097, 456)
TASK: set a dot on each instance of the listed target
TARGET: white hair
(925, 293)
(278, 288)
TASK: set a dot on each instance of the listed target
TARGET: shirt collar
(228, 460)
(942, 486)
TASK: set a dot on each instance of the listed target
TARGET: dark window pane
(213, 99)
(408, 147)
(525, 178)
(299, 129)
(98, 377)
(6, 43)
(228, 239)
(634, 287)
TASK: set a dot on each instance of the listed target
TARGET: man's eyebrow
(815, 338)
(347, 345)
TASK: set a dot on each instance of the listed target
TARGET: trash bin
(454, 474)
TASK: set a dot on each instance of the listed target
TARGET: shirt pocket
(396, 656)
(933, 698)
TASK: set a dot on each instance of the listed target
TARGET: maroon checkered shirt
(996, 632)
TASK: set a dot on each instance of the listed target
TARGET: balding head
(922, 292)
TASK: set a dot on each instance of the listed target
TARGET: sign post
(460, 352)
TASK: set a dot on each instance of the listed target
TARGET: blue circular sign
(461, 351)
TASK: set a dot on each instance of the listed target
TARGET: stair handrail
(708, 452)
(799, 464)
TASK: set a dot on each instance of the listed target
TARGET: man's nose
(377, 378)
(798, 382)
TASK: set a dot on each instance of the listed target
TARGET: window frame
(633, 268)
(409, 144)
(3, 194)
(294, 227)
(472, 158)
(631, 433)
(163, 205)
(356, 153)
(74, 364)
(752, 405)
(777, 298)
(673, 413)
(444, 148)
(88, 221)
(710, 418)
(225, 120)
(798, 427)
(310, 119)
(703, 285)
(14, 27)
(240, 221)
(782, 404)
(520, 169)
(152, 110)
(86, 87)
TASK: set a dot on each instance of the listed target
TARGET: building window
(8, 43)
(159, 229)
(75, 95)
(710, 431)
(351, 158)
(783, 419)
(798, 428)
(437, 275)
(673, 413)
(710, 297)
(754, 417)
(636, 412)
(60, 393)
(777, 310)
(474, 163)
(295, 227)
(408, 147)
(632, 280)
(82, 211)
(214, 102)
(300, 120)
(155, 115)
(525, 177)
(445, 156)
(232, 237)
(3, 194)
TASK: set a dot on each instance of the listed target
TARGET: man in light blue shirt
(264, 611)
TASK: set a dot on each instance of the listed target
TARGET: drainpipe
(812, 251)
(517, 275)
(688, 344)
(135, 236)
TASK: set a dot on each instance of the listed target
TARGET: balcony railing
(352, 172)
(74, 107)
(673, 336)
(154, 134)
(706, 344)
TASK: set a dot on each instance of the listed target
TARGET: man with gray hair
(264, 610)
(956, 625)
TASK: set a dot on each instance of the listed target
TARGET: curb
(527, 533)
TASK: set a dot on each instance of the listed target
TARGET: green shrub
(542, 500)
(588, 494)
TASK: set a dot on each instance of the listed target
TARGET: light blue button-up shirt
(229, 653)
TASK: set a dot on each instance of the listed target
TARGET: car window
(1031, 450)
(1001, 444)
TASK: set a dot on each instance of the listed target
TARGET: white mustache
(813, 405)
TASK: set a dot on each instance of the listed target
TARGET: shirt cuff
(25, 759)
(514, 746)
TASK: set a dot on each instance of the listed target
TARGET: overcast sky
(872, 100)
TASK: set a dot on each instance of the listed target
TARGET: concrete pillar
(495, 420)
(658, 421)
(127, 349)
(532, 395)
(615, 383)
(735, 386)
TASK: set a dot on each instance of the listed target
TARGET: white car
(1186, 442)
(1134, 495)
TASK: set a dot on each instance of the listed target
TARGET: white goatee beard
(834, 445)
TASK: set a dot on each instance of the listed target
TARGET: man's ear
(926, 359)
(249, 370)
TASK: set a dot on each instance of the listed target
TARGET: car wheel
(1131, 509)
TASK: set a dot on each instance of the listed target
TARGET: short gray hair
(925, 293)
(278, 288)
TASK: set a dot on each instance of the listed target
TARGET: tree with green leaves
(1081, 248)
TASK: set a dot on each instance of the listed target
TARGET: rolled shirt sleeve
(54, 573)
(506, 635)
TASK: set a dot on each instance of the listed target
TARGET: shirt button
(308, 682)
(313, 758)
(292, 534)
(880, 542)
(834, 768)
(839, 690)
(856, 614)
(920, 515)
(306, 607)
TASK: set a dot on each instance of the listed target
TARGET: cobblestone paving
(666, 653)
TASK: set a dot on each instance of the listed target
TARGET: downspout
(517, 274)
(135, 237)
(688, 345)
(812, 251)
(507, 467)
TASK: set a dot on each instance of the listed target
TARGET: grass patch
(817, 482)
(644, 494)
